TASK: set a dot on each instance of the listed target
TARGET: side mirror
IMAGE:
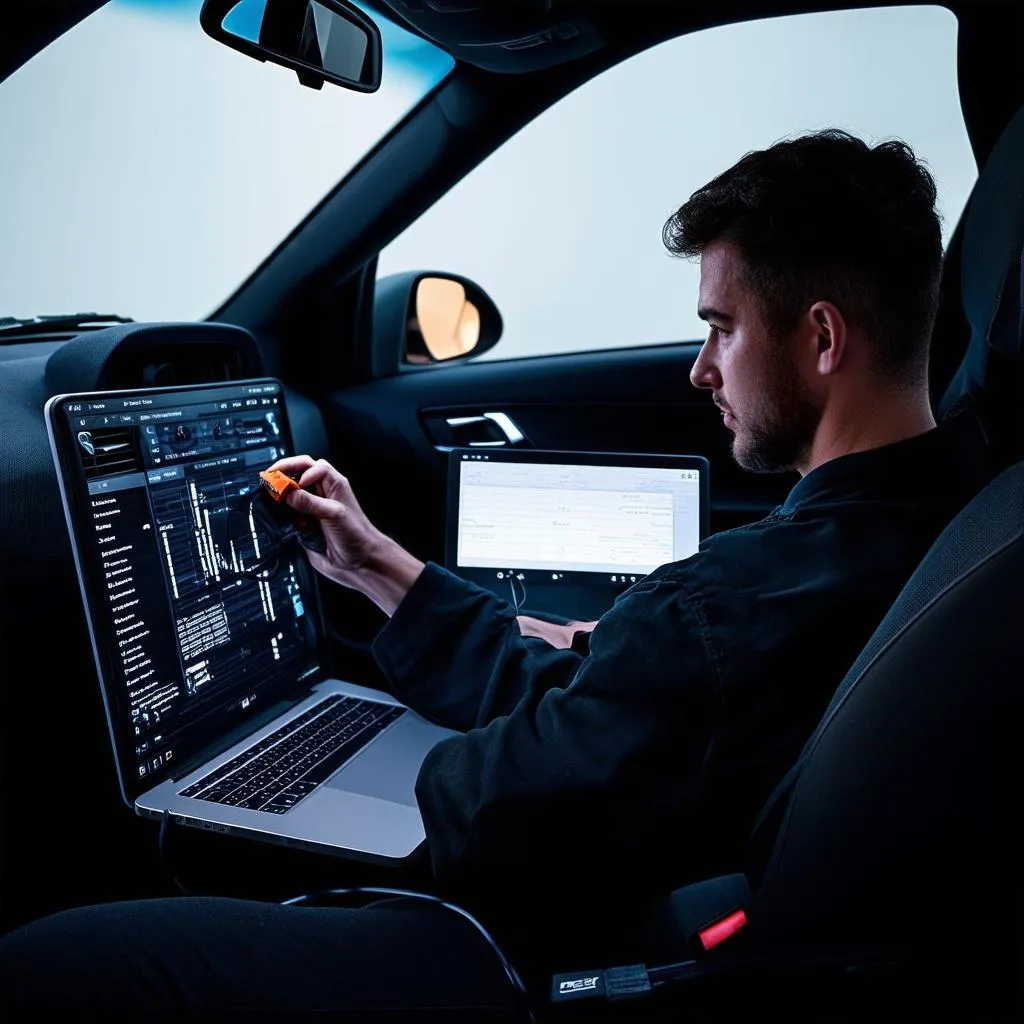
(321, 40)
(424, 316)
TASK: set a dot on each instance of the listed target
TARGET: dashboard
(125, 356)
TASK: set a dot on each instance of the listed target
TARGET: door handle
(488, 430)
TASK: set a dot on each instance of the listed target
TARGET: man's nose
(704, 373)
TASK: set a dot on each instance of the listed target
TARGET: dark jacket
(620, 773)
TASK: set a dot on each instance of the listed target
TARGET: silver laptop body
(208, 638)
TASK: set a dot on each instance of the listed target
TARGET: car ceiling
(513, 37)
(28, 27)
(517, 37)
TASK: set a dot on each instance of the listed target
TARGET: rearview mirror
(321, 40)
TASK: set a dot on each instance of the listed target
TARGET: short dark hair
(827, 217)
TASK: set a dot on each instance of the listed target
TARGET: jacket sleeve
(453, 652)
(590, 779)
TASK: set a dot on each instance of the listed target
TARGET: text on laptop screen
(576, 518)
(198, 613)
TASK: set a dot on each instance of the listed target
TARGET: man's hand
(357, 554)
(555, 634)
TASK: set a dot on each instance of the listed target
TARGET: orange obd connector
(278, 484)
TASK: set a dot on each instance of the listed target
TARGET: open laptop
(561, 534)
(207, 634)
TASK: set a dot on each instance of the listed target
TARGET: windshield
(147, 170)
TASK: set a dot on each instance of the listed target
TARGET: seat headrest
(992, 273)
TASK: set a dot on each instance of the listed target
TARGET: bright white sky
(147, 170)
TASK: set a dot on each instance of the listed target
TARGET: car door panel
(389, 437)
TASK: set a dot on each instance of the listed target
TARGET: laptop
(561, 534)
(207, 632)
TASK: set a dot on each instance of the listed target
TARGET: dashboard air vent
(176, 365)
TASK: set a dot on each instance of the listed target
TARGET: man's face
(755, 377)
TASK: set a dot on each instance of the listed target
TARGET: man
(604, 764)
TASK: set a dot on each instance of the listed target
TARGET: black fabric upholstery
(992, 288)
(994, 234)
(908, 802)
(981, 528)
(904, 826)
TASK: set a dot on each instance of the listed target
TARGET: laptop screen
(550, 523)
(200, 615)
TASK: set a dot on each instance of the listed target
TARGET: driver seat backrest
(904, 819)
(901, 824)
(992, 291)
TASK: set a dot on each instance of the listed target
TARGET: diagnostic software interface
(563, 519)
(194, 605)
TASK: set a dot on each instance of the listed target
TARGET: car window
(147, 170)
(562, 225)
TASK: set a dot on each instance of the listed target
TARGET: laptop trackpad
(387, 768)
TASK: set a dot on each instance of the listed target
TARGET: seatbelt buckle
(709, 913)
(717, 932)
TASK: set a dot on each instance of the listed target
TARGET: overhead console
(510, 38)
(153, 355)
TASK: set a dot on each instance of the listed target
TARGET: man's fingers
(313, 505)
(316, 474)
(527, 622)
(325, 478)
(557, 636)
(293, 464)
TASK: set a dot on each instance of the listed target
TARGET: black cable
(165, 860)
(510, 972)
(269, 562)
(671, 972)
(517, 603)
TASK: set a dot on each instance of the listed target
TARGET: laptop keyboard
(276, 773)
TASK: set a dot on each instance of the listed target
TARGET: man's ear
(830, 337)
